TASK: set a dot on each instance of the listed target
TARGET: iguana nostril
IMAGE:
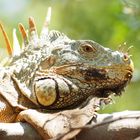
(126, 57)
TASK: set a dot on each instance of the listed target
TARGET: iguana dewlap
(53, 72)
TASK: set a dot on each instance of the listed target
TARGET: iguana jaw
(117, 90)
(106, 80)
(116, 85)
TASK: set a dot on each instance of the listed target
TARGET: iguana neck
(23, 67)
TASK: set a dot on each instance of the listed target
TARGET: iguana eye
(87, 48)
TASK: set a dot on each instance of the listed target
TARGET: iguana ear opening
(47, 63)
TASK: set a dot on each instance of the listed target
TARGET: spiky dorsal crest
(23, 34)
(16, 46)
(8, 45)
(45, 28)
(33, 32)
(54, 35)
(34, 39)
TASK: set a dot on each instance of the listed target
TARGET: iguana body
(53, 72)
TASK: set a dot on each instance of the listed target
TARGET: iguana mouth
(113, 90)
(118, 89)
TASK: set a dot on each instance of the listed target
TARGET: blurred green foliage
(109, 23)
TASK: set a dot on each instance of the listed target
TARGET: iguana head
(91, 68)
(56, 72)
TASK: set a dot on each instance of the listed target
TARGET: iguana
(53, 72)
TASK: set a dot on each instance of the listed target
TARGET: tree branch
(117, 126)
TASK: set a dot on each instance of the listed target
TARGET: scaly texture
(53, 72)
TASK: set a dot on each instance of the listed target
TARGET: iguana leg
(7, 113)
(50, 125)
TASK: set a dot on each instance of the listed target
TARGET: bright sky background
(12, 7)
